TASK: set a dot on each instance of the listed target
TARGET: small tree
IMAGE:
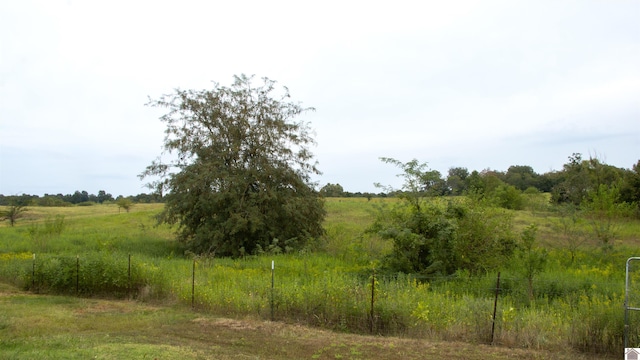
(568, 226)
(13, 213)
(483, 240)
(602, 211)
(124, 203)
(415, 175)
(532, 259)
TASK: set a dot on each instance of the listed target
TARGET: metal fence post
(33, 275)
(193, 284)
(495, 306)
(129, 277)
(373, 296)
(77, 274)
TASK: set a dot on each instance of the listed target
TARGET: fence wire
(359, 300)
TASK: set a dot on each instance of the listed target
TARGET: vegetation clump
(432, 237)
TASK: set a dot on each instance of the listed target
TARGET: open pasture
(577, 307)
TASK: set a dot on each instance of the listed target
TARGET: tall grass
(577, 304)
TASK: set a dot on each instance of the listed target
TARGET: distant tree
(474, 184)
(575, 182)
(13, 213)
(103, 196)
(79, 197)
(456, 180)
(549, 180)
(602, 174)
(240, 178)
(332, 190)
(434, 184)
(124, 203)
(52, 200)
(580, 178)
(492, 180)
(630, 186)
(522, 177)
(147, 198)
(485, 186)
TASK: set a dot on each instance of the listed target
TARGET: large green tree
(239, 176)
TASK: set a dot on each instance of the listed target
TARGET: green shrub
(14, 268)
(508, 197)
(91, 274)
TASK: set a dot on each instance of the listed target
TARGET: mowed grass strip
(59, 327)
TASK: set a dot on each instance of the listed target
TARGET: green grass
(92, 228)
(577, 304)
(61, 327)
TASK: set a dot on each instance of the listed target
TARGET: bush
(508, 197)
(433, 238)
(86, 203)
(92, 274)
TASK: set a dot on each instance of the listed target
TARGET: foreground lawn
(59, 327)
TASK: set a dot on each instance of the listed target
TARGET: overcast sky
(475, 84)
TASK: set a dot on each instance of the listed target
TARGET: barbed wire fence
(362, 302)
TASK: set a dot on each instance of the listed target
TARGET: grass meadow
(98, 256)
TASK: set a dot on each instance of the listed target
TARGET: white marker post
(272, 287)
(33, 275)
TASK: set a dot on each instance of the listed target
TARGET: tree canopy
(238, 178)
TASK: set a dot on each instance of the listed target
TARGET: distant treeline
(77, 198)
(578, 180)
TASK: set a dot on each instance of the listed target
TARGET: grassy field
(62, 327)
(576, 313)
